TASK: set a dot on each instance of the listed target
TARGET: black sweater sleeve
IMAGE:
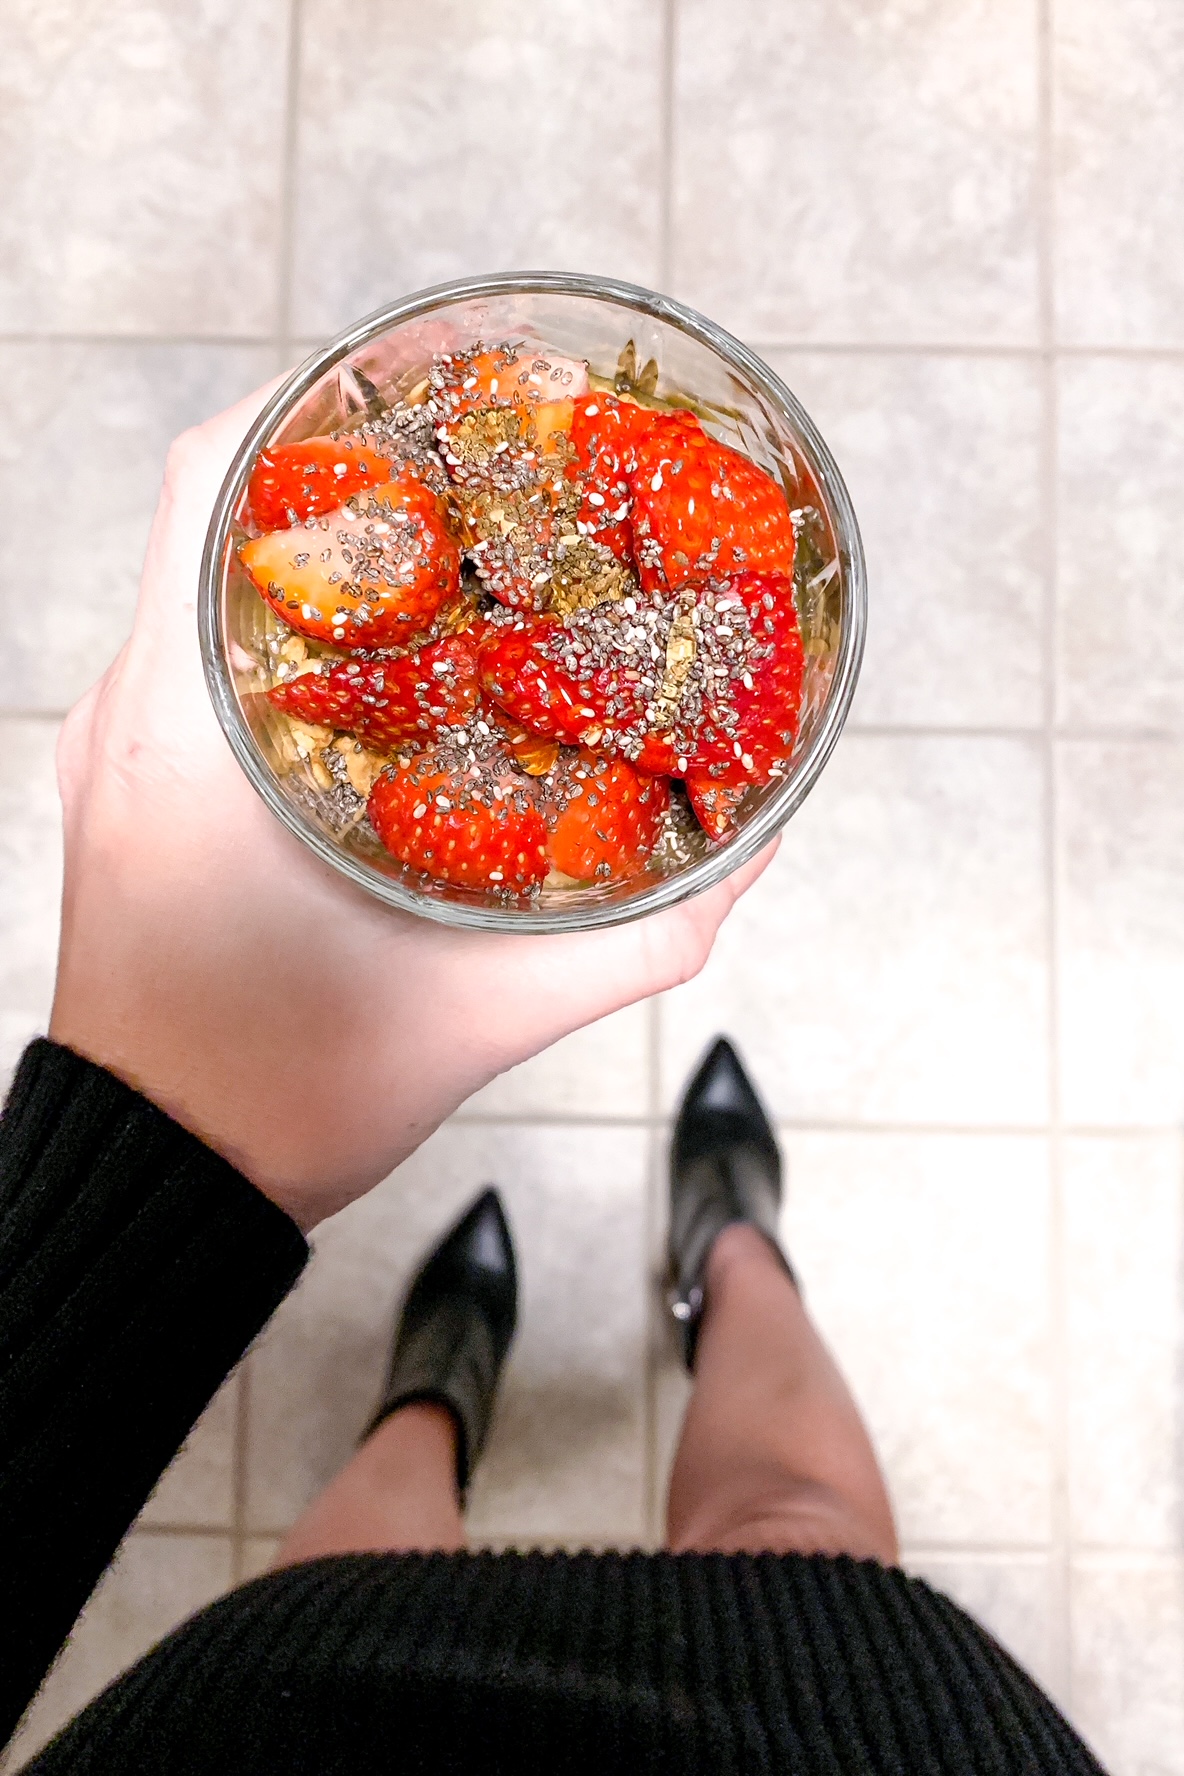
(136, 1266)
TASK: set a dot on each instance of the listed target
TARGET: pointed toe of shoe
(725, 1166)
(456, 1327)
(721, 1110)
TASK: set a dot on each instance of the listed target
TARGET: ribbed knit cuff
(136, 1266)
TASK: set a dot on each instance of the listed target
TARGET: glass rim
(805, 769)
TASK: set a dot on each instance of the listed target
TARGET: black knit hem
(700, 1664)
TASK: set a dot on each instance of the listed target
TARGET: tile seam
(970, 1550)
(653, 1343)
(286, 247)
(805, 348)
(824, 1126)
(669, 27)
(237, 341)
(241, 1451)
(1061, 1625)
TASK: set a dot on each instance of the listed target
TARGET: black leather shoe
(725, 1166)
(456, 1327)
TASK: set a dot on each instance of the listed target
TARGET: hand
(308, 1033)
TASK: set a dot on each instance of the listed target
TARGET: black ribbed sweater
(135, 1268)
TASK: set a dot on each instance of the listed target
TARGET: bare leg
(774, 1455)
(398, 1493)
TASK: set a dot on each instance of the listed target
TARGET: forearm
(135, 1268)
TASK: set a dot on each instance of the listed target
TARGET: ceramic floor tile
(156, 1582)
(1128, 1663)
(941, 455)
(566, 1461)
(845, 172)
(467, 139)
(1121, 582)
(104, 432)
(257, 1556)
(600, 1071)
(198, 1488)
(1124, 1243)
(140, 157)
(30, 884)
(890, 965)
(1119, 167)
(1010, 1595)
(924, 1259)
(1122, 932)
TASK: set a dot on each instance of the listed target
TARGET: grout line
(666, 148)
(1037, 352)
(1068, 732)
(252, 340)
(286, 245)
(915, 1551)
(1060, 1550)
(973, 1551)
(800, 347)
(805, 1125)
(655, 1526)
(238, 1494)
(212, 1531)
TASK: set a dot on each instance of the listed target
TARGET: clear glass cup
(634, 339)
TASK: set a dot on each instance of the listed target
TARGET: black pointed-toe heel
(455, 1328)
(725, 1166)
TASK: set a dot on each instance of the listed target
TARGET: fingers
(741, 880)
(207, 449)
(601, 971)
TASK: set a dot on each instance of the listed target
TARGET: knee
(804, 1518)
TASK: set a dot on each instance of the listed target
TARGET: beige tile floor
(957, 230)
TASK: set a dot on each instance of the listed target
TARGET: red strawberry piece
(737, 705)
(536, 691)
(701, 509)
(749, 723)
(605, 433)
(373, 574)
(475, 826)
(716, 792)
(387, 702)
(502, 376)
(292, 482)
(603, 817)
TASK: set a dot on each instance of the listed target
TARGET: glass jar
(640, 343)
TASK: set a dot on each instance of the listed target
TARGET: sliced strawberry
(747, 721)
(373, 574)
(387, 702)
(715, 793)
(475, 826)
(502, 376)
(727, 693)
(701, 509)
(605, 433)
(502, 418)
(534, 690)
(292, 482)
(603, 817)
